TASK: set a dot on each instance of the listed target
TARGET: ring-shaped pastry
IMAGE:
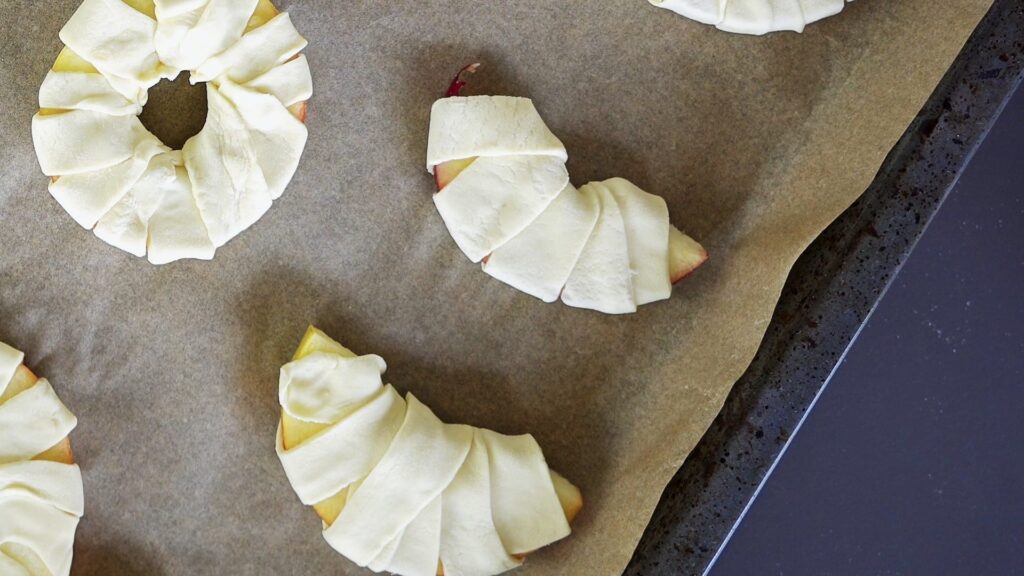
(113, 176)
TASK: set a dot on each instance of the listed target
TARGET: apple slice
(446, 172)
(568, 495)
(69, 61)
(264, 12)
(684, 255)
(147, 7)
(300, 110)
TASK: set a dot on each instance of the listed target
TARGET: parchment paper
(757, 144)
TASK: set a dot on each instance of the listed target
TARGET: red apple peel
(455, 88)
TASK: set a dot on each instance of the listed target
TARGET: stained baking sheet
(756, 143)
(829, 295)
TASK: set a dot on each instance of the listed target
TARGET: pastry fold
(41, 497)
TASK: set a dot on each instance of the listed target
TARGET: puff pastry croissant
(399, 490)
(505, 197)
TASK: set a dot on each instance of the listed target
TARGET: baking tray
(829, 296)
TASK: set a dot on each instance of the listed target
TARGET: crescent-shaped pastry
(505, 197)
(401, 491)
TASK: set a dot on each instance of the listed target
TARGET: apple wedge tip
(684, 255)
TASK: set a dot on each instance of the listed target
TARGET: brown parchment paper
(756, 143)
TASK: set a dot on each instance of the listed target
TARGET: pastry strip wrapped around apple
(41, 496)
(400, 491)
(504, 195)
(755, 16)
(116, 178)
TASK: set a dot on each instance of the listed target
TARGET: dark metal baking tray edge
(829, 296)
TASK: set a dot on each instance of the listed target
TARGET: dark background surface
(912, 460)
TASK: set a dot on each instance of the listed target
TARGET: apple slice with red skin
(446, 172)
(684, 255)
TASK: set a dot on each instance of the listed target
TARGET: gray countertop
(911, 460)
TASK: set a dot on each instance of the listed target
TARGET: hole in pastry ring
(116, 178)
